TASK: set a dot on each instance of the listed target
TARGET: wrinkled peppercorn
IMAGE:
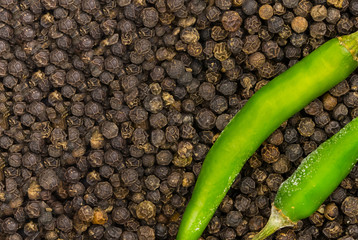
(124, 99)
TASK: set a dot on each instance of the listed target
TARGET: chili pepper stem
(276, 221)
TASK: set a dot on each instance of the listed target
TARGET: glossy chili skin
(263, 113)
(319, 174)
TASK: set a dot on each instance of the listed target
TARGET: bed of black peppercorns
(108, 109)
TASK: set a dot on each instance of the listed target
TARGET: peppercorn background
(109, 107)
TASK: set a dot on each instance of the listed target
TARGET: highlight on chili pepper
(265, 111)
(314, 180)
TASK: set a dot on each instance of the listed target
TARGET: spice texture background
(109, 107)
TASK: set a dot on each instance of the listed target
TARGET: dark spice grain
(107, 110)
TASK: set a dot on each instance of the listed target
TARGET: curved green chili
(314, 180)
(262, 114)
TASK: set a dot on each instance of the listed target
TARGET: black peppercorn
(275, 24)
(231, 21)
(349, 206)
(332, 229)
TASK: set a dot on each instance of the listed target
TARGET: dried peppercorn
(275, 24)
(318, 13)
(290, 3)
(318, 29)
(88, 70)
(271, 49)
(231, 21)
(145, 210)
(344, 25)
(266, 12)
(299, 24)
(348, 206)
(303, 8)
(251, 44)
(221, 51)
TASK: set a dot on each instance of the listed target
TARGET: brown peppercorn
(319, 13)
(49, 179)
(259, 175)
(64, 223)
(276, 138)
(270, 153)
(188, 179)
(331, 211)
(221, 51)
(103, 190)
(275, 24)
(279, 9)
(252, 24)
(314, 108)
(150, 17)
(344, 26)
(189, 35)
(317, 219)
(129, 176)
(329, 102)
(266, 12)
(97, 140)
(303, 8)
(332, 229)
(10, 226)
(205, 119)
(340, 89)
(274, 181)
(195, 49)
(271, 49)
(340, 112)
(350, 206)
(31, 228)
(290, 135)
(318, 30)
(332, 127)
(254, 161)
(109, 130)
(256, 223)
(257, 59)
(306, 127)
(174, 179)
(164, 157)
(146, 210)
(267, 70)
(181, 161)
(247, 185)
(99, 216)
(339, 195)
(33, 209)
(333, 15)
(85, 213)
(282, 165)
(231, 21)
(214, 225)
(120, 215)
(251, 44)
(218, 33)
(33, 191)
(299, 24)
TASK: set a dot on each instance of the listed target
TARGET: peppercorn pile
(109, 107)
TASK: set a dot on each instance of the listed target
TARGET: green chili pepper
(314, 180)
(262, 114)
